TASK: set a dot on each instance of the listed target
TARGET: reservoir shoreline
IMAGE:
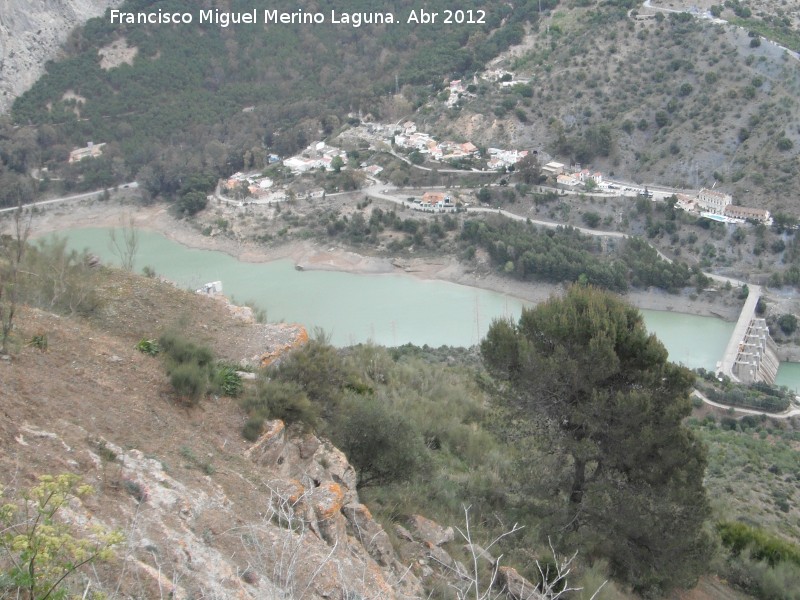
(313, 255)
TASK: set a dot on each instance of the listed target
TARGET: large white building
(713, 201)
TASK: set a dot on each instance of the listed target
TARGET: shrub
(190, 381)
(787, 323)
(191, 203)
(281, 400)
(381, 444)
(40, 553)
(39, 342)
(738, 537)
(188, 365)
(320, 372)
(228, 382)
(181, 350)
(252, 428)
(592, 219)
(58, 279)
(149, 347)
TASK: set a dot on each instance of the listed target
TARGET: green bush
(149, 347)
(181, 350)
(320, 372)
(189, 366)
(787, 323)
(39, 554)
(382, 445)
(757, 578)
(190, 381)
(281, 400)
(228, 382)
(738, 537)
(39, 342)
(252, 428)
(57, 279)
(592, 219)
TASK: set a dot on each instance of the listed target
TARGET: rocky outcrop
(314, 495)
(515, 586)
(31, 33)
(429, 532)
(281, 518)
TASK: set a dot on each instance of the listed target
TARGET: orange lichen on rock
(301, 337)
(328, 500)
(293, 491)
(273, 430)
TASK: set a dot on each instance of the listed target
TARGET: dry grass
(91, 384)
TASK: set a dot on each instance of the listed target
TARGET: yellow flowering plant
(39, 551)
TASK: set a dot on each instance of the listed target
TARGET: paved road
(709, 17)
(505, 213)
(131, 185)
(792, 412)
(381, 191)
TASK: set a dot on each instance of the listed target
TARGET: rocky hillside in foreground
(204, 512)
(31, 33)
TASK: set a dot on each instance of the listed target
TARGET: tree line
(564, 254)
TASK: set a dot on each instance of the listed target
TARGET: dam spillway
(751, 354)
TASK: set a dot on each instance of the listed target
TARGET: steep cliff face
(31, 33)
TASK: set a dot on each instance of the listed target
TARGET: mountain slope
(654, 97)
(204, 512)
(31, 33)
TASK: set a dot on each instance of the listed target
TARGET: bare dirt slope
(200, 507)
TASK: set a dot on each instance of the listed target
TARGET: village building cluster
(435, 202)
(572, 177)
(254, 186)
(408, 137)
(503, 77)
(504, 158)
(425, 144)
(317, 156)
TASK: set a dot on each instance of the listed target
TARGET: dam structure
(751, 354)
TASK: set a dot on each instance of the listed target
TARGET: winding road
(792, 412)
(130, 185)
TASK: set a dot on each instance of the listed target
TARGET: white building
(745, 212)
(713, 201)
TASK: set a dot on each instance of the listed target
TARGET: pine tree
(632, 482)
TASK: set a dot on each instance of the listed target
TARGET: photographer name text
(298, 17)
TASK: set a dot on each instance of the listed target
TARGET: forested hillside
(197, 97)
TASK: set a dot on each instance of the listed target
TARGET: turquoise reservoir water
(789, 375)
(387, 309)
